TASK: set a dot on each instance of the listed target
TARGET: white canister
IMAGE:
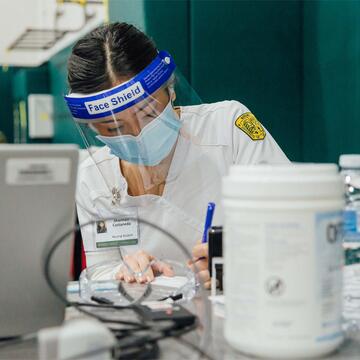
(284, 259)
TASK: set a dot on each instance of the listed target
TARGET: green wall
(6, 105)
(249, 51)
(331, 79)
(15, 86)
(26, 81)
(168, 23)
(295, 64)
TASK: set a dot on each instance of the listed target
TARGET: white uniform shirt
(182, 207)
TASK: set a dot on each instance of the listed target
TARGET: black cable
(18, 339)
(132, 300)
(171, 332)
(57, 243)
(103, 306)
(172, 297)
(136, 325)
(48, 256)
(121, 289)
(176, 334)
(101, 300)
(79, 306)
(142, 349)
(8, 338)
(131, 350)
(148, 351)
(52, 286)
(126, 353)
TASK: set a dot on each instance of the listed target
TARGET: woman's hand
(200, 263)
(138, 262)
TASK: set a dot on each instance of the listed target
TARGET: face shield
(136, 120)
(146, 161)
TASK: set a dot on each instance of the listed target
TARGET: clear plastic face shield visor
(141, 122)
(138, 120)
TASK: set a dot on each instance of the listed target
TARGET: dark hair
(106, 53)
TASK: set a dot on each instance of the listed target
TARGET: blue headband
(121, 97)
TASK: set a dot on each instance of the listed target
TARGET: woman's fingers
(124, 275)
(201, 268)
(160, 267)
(144, 262)
(207, 284)
(200, 250)
(135, 264)
(204, 276)
(131, 267)
(198, 265)
(140, 262)
(119, 275)
(163, 268)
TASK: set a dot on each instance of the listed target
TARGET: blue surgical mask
(153, 144)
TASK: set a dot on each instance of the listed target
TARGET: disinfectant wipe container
(283, 259)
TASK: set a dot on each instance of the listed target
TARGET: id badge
(121, 231)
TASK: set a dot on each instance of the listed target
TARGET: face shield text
(115, 101)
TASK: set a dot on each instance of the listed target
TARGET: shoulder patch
(248, 123)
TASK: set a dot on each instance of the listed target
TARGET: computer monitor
(37, 205)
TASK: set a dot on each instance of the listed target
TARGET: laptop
(37, 205)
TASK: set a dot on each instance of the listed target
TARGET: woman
(162, 163)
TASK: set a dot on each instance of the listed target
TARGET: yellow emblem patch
(250, 126)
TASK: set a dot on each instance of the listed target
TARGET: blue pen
(208, 220)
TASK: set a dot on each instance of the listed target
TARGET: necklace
(140, 180)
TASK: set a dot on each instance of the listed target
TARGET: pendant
(115, 195)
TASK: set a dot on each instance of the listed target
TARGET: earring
(172, 95)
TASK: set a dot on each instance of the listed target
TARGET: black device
(159, 311)
(215, 244)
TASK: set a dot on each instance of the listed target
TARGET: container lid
(290, 181)
(349, 161)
